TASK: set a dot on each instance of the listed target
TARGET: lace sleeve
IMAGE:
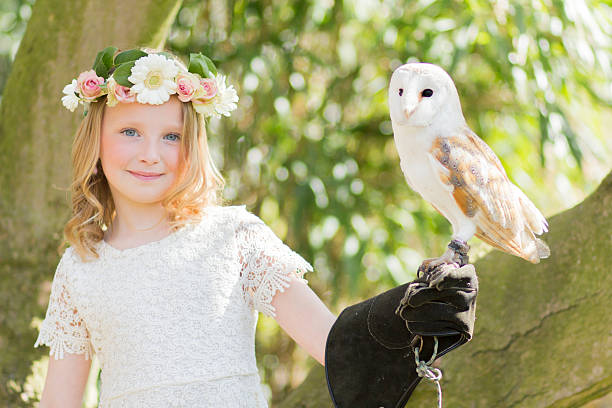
(266, 262)
(63, 330)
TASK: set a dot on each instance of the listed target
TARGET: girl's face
(141, 138)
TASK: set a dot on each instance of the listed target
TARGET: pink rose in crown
(118, 93)
(208, 89)
(87, 84)
(187, 85)
(124, 94)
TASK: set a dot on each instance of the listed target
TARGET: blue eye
(175, 135)
(128, 130)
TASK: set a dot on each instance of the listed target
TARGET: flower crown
(137, 76)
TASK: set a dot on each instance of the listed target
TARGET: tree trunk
(36, 131)
(542, 334)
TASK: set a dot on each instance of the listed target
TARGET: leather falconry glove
(370, 349)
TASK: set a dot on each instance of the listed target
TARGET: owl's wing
(482, 190)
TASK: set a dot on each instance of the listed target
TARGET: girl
(161, 282)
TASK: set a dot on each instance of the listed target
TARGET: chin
(145, 195)
(148, 199)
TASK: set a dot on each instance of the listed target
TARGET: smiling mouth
(150, 176)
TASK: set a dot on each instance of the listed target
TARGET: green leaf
(201, 65)
(122, 73)
(129, 55)
(104, 61)
(211, 65)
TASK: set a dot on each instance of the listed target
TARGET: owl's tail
(532, 249)
(522, 241)
(534, 218)
(524, 244)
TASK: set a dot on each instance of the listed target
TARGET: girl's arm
(304, 317)
(65, 382)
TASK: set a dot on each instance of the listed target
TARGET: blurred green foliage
(310, 148)
(14, 16)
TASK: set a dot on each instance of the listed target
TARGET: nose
(150, 151)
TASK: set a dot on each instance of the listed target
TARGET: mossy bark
(36, 131)
(542, 334)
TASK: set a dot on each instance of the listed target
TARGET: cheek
(114, 153)
(173, 159)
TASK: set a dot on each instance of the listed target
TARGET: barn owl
(454, 170)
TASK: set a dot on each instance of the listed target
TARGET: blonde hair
(198, 185)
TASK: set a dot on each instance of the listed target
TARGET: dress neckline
(168, 239)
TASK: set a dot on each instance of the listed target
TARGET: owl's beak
(409, 105)
(408, 110)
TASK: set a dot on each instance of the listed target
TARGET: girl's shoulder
(235, 214)
(239, 218)
(71, 262)
(69, 258)
(67, 264)
(227, 209)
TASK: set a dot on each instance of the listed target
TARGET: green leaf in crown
(122, 73)
(201, 65)
(104, 61)
(129, 55)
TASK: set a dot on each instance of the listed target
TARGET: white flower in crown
(227, 96)
(70, 100)
(214, 97)
(206, 108)
(153, 79)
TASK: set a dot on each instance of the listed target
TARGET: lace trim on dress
(267, 264)
(63, 330)
(60, 344)
(276, 277)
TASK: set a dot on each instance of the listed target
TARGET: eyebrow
(180, 128)
(137, 123)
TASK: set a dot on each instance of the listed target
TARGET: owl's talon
(429, 265)
(438, 274)
(456, 256)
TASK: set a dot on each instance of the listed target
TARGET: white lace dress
(172, 322)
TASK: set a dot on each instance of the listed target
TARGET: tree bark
(542, 333)
(36, 131)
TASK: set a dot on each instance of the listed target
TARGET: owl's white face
(419, 93)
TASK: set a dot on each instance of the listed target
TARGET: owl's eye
(427, 93)
(401, 91)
